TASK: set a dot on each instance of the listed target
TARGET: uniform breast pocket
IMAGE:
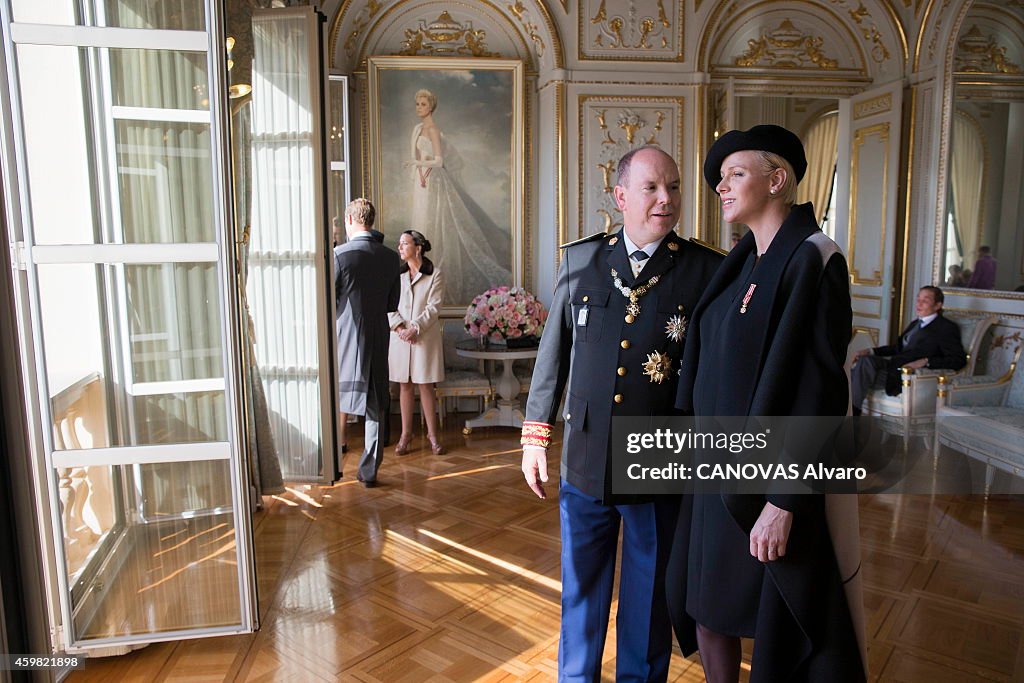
(589, 306)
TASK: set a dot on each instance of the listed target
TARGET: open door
(868, 173)
(116, 185)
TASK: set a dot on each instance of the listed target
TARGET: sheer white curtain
(966, 178)
(283, 276)
(821, 148)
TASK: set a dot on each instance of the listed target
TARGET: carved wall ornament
(786, 47)
(522, 14)
(978, 53)
(637, 28)
(610, 126)
(607, 168)
(368, 12)
(862, 17)
(876, 105)
(445, 37)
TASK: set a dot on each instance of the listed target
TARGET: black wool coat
(583, 355)
(792, 365)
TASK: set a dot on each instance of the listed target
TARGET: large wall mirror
(983, 229)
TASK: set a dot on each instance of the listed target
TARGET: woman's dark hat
(767, 138)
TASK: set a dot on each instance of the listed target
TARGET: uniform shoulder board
(589, 238)
(708, 246)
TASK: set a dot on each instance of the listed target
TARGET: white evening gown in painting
(467, 246)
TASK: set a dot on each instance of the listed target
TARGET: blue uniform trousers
(590, 533)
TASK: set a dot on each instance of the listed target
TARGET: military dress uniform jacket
(588, 345)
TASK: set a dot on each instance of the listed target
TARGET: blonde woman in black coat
(768, 338)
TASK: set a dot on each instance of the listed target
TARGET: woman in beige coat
(416, 355)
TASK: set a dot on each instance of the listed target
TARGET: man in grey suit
(366, 289)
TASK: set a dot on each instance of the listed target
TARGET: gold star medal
(675, 328)
(658, 366)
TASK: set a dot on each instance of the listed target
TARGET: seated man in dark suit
(931, 341)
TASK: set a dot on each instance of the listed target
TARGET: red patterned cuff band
(536, 434)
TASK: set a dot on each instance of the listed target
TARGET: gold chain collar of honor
(633, 294)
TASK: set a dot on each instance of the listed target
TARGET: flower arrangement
(503, 313)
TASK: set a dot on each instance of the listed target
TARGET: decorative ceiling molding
(978, 53)
(358, 24)
(786, 47)
(445, 37)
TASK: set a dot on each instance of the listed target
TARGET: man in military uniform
(615, 336)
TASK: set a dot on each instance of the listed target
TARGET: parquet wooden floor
(449, 571)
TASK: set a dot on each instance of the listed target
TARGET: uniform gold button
(586, 299)
(622, 372)
(629, 318)
(624, 343)
(618, 398)
(680, 307)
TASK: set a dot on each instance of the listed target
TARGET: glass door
(116, 170)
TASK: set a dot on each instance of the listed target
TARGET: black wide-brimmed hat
(767, 138)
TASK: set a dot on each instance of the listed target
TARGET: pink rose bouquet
(503, 313)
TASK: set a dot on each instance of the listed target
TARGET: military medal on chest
(747, 297)
(633, 294)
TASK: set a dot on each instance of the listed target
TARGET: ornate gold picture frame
(469, 199)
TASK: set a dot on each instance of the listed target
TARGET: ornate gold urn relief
(786, 47)
(445, 37)
(978, 53)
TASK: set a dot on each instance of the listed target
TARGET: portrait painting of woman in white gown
(465, 238)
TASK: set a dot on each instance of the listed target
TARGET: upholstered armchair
(912, 413)
(982, 416)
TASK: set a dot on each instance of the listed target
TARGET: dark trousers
(590, 532)
(378, 409)
(866, 374)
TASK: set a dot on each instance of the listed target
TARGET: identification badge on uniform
(581, 319)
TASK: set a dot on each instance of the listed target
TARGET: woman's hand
(409, 334)
(770, 534)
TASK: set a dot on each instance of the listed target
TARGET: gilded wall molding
(876, 105)
(631, 30)
(980, 53)
(872, 332)
(608, 127)
(786, 47)
(860, 137)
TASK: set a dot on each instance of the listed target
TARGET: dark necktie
(638, 258)
(911, 332)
